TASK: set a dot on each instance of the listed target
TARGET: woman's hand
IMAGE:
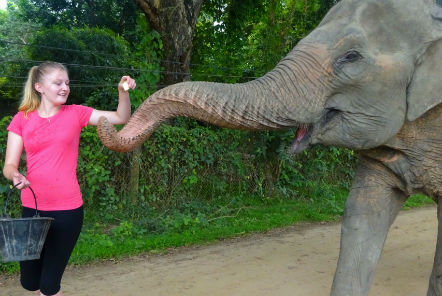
(130, 83)
(18, 178)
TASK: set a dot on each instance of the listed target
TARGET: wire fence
(86, 84)
(99, 53)
(201, 72)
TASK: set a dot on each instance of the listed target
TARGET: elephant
(369, 78)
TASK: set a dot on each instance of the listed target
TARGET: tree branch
(151, 10)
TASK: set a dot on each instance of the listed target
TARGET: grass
(235, 217)
(416, 201)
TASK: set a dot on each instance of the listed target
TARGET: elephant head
(367, 68)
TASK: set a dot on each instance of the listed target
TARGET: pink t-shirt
(51, 146)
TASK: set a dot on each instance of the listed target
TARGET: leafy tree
(283, 26)
(175, 21)
(81, 50)
(245, 39)
(221, 39)
(147, 55)
(119, 16)
(13, 65)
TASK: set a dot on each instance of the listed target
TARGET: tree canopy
(248, 38)
(118, 16)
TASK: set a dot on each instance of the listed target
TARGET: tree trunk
(175, 20)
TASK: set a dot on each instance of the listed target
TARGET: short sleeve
(16, 125)
(84, 114)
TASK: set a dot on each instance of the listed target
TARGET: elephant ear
(425, 89)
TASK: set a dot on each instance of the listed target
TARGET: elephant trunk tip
(111, 138)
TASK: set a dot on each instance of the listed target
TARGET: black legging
(46, 273)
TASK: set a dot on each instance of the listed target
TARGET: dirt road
(298, 260)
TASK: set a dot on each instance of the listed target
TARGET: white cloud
(2, 4)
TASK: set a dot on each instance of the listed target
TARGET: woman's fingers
(20, 180)
(127, 83)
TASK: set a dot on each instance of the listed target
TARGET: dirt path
(297, 260)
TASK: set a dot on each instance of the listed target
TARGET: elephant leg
(435, 288)
(371, 208)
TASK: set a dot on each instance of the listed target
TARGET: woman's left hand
(130, 82)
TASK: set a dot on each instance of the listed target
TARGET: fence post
(135, 164)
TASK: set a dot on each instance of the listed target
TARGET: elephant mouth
(304, 133)
(302, 140)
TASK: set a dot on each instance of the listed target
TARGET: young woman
(49, 131)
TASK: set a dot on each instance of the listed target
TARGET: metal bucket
(22, 238)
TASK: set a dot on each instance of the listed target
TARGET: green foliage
(5, 93)
(94, 173)
(4, 122)
(418, 200)
(96, 60)
(14, 205)
(146, 57)
(188, 166)
(244, 39)
(12, 32)
(118, 16)
(95, 57)
(285, 23)
(13, 63)
(84, 47)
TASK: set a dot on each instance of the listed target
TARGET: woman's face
(54, 87)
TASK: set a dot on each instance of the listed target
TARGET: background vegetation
(190, 182)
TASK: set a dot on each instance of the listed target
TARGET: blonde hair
(31, 97)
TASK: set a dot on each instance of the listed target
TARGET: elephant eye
(349, 57)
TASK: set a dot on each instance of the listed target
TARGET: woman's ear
(38, 87)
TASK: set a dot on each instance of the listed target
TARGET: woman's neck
(47, 110)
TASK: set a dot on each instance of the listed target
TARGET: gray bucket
(22, 238)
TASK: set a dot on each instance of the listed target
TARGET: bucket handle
(7, 200)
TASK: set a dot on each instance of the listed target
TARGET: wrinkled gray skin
(369, 77)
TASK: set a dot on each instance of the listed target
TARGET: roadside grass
(205, 224)
(418, 200)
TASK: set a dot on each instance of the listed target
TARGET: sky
(2, 4)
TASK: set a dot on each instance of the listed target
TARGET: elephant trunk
(280, 99)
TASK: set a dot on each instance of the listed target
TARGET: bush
(194, 164)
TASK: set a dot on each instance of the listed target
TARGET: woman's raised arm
(122, 114)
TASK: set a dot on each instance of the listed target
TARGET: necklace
(47, 117)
